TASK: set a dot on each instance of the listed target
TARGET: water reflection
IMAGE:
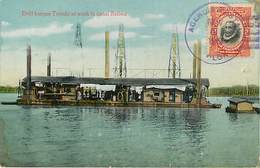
(195, 120)
(233, 116)
(118, 136)
(52, 127)
(3, 147)
(195, 128)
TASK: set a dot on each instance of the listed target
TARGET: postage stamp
(197, 26)
(229, 30)
(226, 30)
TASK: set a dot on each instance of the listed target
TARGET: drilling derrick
(174, 58)
(78, 39)
(79, 45)
(120, 65)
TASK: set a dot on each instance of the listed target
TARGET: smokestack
(29, 70)
(194, 61)
(106, 54)
(198, 63)
(49, 65)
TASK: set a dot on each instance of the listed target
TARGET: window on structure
(156, 94)
(68, 90)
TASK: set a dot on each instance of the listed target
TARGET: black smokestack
(29, 70)
(49, 65)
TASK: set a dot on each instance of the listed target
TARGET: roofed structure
(116, 81)
(236, 100)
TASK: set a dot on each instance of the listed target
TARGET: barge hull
(117, 104)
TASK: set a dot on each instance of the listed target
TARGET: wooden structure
(172, 95)
(239, 105)
(125, 90)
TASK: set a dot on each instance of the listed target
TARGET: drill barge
(73, 91)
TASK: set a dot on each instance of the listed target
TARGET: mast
(198, 58)
(29, 70)
(49, 65)
(107, 54)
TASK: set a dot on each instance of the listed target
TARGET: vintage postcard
(129, 83)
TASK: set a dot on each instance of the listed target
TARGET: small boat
(239, 105)
(9, 103)
(257, 108)
(216, 105)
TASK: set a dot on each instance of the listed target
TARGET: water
(108, 136)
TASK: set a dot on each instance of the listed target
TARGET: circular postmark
(226, 30)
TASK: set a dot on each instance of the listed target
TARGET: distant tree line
(8, 89)
(250, 90)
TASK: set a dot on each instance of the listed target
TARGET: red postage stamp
(229, 30)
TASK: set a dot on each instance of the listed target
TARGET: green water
(108, 136)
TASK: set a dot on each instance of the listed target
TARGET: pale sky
(148, 29)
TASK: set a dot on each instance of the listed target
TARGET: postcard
(132, 83)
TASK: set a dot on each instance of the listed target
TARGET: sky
(148, 31)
